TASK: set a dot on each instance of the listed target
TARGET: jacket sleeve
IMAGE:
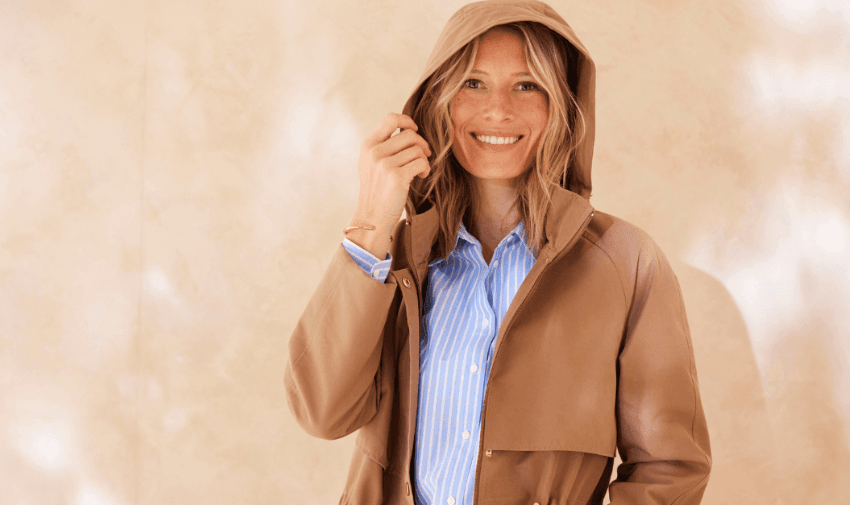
(662, 434)
(334, 354)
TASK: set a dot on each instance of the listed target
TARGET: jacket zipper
(481, 451)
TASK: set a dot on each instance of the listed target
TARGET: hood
(478, 17)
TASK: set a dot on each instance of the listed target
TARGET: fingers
(405, 158)
(399, 143)
(388, 163)
(404, 154)
(418, 167)
(388, 125)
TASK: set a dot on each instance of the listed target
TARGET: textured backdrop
(175, 175)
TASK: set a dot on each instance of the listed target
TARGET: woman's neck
(495, 213)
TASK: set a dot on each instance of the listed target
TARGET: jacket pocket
(372, 447)
(365, 482)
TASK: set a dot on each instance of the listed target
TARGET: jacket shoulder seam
(614, 264)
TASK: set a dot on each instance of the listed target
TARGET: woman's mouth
(494, 140)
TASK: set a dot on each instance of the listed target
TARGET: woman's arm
(662, 432)
(335, 350)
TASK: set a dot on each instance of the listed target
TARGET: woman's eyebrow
(520, 74)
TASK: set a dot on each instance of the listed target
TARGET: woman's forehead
(501, 48)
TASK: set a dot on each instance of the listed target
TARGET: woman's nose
(498, 106)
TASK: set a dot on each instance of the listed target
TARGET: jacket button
(406, 282)
(488, 453)
(536, 503)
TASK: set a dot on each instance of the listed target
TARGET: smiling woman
(500, 342)
(515, 88)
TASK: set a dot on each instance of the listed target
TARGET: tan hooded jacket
(593, 355)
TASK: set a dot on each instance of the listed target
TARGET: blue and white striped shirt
(465, 302)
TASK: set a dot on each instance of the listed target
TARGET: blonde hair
(449, 187)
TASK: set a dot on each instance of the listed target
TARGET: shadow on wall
(743, 468)
(781, 442)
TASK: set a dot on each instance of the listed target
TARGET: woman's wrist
(376, 241)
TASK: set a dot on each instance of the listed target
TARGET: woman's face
(500, 112)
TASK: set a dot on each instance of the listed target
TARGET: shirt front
(464, 305)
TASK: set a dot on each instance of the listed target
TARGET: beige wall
(174, 176)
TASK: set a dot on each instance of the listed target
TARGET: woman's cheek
(460, 108)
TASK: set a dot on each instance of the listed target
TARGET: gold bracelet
(371, 228)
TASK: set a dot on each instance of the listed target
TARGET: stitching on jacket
(702, 483)
(691, 358)
(614, 264)
(371, 455)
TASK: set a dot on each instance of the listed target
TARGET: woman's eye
(472, 84)
(528, 86)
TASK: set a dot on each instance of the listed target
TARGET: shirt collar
(567, 216)
(465, 239)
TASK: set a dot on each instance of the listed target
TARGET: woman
(501, 342)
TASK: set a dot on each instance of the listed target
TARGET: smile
(490, 139)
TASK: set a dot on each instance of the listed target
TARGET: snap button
(406, 282)
(488, 453)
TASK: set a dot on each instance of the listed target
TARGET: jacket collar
(568, 216)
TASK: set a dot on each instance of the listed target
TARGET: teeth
(489, 139)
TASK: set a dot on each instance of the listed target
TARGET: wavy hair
(449, 186)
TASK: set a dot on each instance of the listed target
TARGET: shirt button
(486, 323)
(451, 500)
(465, 434)
(473, 368)
(496, 263)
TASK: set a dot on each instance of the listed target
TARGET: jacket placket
(411, 280)
(547, 256)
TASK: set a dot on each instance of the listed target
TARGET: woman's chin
(499, 175)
